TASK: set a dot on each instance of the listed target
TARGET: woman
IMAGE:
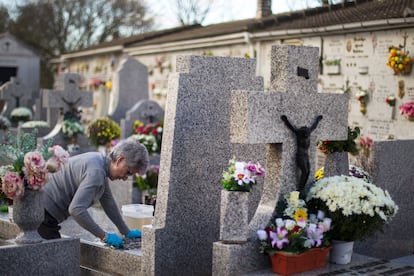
(83, 181)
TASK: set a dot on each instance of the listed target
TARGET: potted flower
(23, 178)
(399, 60)
(148, 183)
(296, 240)
(102, 131)
(358, 209)
(407, 109)
(149, 135)
(390, 100)
(237, 181)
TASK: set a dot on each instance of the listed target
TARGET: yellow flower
(301, 214)
(319, 174)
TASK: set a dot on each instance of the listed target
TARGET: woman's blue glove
(134, 233)
(114, 240)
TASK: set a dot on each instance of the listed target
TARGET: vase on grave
(285, 263)
(363, 108)
(336, 163)
(234, 216)
(28, 214)
(73, 147)
(341, 252)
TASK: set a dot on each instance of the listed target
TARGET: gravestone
(392, 165)
(68, 99)
(15, 94)
(146, 111)
(196, 149)
(256, 119)
(130, 85)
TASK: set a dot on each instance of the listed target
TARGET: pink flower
(314, 235)
(35, 170)
(59, 157)
(279, 238)
(12, 185)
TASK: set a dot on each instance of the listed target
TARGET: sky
(221, 11)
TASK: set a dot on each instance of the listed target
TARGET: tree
(4, 19)
(192, 11)
(66, 25)
(55, 27)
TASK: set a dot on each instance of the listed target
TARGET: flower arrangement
(36, 124)
(295, 231)
(362, 96)
(72, 126)
(102, 131)
(241, 176)
(399, 60)
(365, 144)
(407, 109)
(149, 181)
(358, 209)
(353, 171)
(21, 114)
(4, 123)
(29, 164)
(348, 145)
(390, 100)
(149, 135)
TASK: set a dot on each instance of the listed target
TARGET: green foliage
(348, 145)
(149, 181)
(332, 62)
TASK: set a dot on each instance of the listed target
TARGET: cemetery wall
(363, 56)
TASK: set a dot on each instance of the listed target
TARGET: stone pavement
(360, 265)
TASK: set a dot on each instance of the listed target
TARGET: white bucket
(137, 215)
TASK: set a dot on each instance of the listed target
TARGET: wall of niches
(363, 72)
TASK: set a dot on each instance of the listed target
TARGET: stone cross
(146, 111)
(256, 119)
(67, 99)
(195, 150)
(16, 94)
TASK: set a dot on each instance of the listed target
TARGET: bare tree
(60, 26)
(192, 11)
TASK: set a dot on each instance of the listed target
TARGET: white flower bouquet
(358, 209)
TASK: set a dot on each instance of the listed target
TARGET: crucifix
(67, 100)
(272, 118)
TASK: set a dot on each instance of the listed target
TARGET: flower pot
(341, 252)
(410, 118)
(407, 69)
(28, 214)
(287, 263)
(234, 216)
(333, 70)
(363, 70)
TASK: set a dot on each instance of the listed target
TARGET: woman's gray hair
(136, 155)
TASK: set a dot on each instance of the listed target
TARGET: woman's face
(120, 170)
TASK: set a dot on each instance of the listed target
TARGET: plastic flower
(407, 109)
(241, 176)
(29, 164)
(294, 233)
(12, 185)
(102, 131)
(398, 59)
(390, 100)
